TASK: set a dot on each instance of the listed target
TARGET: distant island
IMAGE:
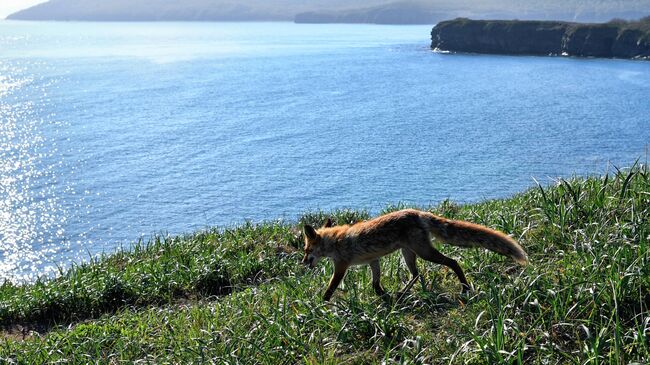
(392, 13)
(614, 39)
(331, 11)
(152, 10)
(180, 10)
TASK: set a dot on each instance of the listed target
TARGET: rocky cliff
(616, 39)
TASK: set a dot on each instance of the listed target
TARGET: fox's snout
(309, 260)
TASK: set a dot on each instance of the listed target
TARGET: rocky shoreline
(615, 39)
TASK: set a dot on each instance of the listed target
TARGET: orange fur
(409, 230)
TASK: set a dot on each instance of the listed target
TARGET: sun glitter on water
(32, 219)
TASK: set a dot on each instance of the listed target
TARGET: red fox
(409, 230)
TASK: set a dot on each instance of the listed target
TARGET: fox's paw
(327, 296)
(466, 289)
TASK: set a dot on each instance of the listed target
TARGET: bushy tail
(466, 234)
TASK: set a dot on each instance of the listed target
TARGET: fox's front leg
(339, 272)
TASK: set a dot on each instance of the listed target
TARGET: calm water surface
(114, 131)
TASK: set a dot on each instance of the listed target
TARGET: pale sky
(10, 6)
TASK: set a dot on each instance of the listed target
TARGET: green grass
(239, 295)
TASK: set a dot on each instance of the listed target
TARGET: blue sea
(112, 132)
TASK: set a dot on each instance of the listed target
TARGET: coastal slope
(240, 294)
(615, 39)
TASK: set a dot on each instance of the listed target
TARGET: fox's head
(313, 244)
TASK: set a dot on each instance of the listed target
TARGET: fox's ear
(310, 232)
(328, 223)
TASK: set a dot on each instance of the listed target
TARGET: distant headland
(614, 39)
(331, 11)
(392, 13)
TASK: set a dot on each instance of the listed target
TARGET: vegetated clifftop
(615, 39)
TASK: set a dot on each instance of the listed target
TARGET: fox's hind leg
(422, 247)
(409, 259)
(376, 277)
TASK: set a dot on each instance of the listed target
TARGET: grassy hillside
(642, 24)
(240, 295)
